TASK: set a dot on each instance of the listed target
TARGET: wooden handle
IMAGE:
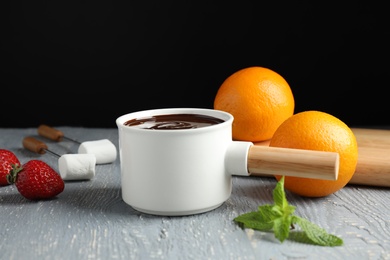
(50, 133)
(293, 162)
(34, 145)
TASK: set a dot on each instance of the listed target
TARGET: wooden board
(373, 167)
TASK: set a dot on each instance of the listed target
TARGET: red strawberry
(7, 159)
(36, 180)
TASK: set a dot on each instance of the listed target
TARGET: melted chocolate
(173, 121)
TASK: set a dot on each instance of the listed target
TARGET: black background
(85, 63)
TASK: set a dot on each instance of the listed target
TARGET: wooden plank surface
(89, 220)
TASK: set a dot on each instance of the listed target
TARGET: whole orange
(316, 130)
(259, 100)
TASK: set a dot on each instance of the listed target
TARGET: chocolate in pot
(173, 121)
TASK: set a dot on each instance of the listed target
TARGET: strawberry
(36, 180)
(7, 159)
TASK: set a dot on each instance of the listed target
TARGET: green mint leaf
(268, 213)
(255, 220)
(279, 195)
(279, 218)
(282, 228)
(316, 234)
(280, 199)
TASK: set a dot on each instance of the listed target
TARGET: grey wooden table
(89, 219)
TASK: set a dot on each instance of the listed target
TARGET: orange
(316, 130)
(259, 100)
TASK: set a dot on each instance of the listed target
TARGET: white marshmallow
(77, 166)
(104, 150)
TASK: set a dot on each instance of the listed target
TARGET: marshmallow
(104, 150)
(77, 166)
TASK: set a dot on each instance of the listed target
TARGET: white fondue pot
(189, 171)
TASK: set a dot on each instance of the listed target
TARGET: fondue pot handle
(293, 162)
(265, 160)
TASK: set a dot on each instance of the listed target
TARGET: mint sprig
(279, 218)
